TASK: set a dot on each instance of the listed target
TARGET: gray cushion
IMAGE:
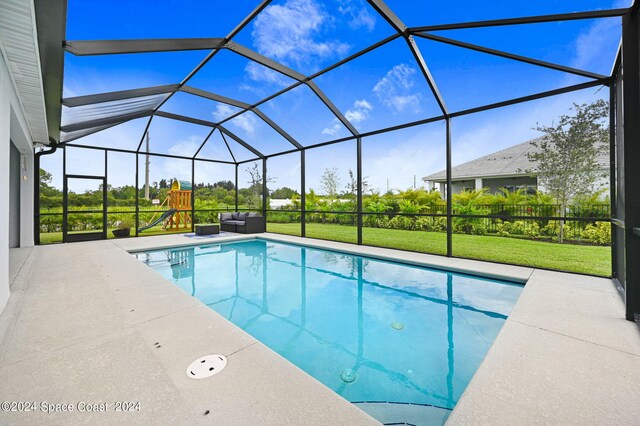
(234, 222)
(236, 216)
(242, 215)
(225, 216)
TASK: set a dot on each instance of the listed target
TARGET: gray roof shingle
(511, 161)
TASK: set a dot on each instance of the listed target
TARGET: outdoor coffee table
(207, 229)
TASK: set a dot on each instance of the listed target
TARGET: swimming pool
(400, 341)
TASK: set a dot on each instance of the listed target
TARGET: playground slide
(164, 216)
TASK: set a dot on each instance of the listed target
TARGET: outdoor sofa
(242, 222)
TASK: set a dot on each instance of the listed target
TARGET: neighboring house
(501, 169)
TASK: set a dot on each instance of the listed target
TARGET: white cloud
(181, 169)
(245, 121)
(398, 156)
(253, 89)
(420, 151)
(595, 48)
(359, 14)
(260, 73)
(223, 111)
(483, 133)
(599, 42)
(333, 129)
(400, 103)
(289, 33)
(186, 147)
(395, 89)
(362, 103)
(357, 114)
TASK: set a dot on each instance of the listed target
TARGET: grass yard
(584, 259)
(56, 237)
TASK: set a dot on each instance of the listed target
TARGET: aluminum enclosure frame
(630, 53)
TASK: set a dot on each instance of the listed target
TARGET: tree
(45, 177)
(226, 184)
(255, 182)
(352, 186)
(330, 182)
(284, 193)
(565, 160)
(46, 190)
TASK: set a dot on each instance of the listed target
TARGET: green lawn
(56, 237)
(585, 259)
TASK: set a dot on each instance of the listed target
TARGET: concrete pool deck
(87, 322)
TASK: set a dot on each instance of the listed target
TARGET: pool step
(398, 413)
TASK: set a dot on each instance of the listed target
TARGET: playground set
(178, 201)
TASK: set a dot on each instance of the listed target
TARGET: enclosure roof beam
(184, 118)
(51, 19)
(204, 142)
(415, 50)
(117, 96)
(153, 154)
(214, 97)
(461, 113)
(401, 28)
(254, 56)
(225, 131)
(334, 109)
(263, 4)
(112, 47)
(356, 55)
(388, 14)
(146, 129)
(251, 160)
(224, 139)
(245, 107)
(228, 38)
(255, 12)
(105, 121)
(581, 86)
(617, 62)
(608, 13)
(318, 74)
(102, 47)
(263, 60)
(512, 56)
(277, 128)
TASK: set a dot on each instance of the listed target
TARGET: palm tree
(469, 197)
(513, 197)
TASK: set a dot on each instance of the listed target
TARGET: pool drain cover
(206, 366)
(348, 375)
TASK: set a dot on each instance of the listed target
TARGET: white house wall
(13, 127)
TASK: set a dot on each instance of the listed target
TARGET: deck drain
(348, 375)
(206, 366)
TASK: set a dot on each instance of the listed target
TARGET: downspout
(36, 188)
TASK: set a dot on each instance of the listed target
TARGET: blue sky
(381, 89)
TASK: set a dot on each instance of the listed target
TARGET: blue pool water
(371, 330)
